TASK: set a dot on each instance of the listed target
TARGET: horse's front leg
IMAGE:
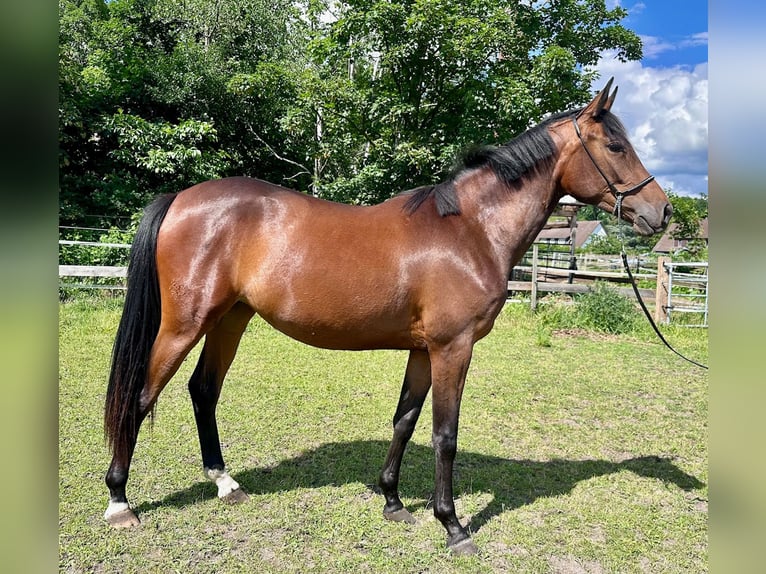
(449, 367)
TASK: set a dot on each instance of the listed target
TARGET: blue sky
(663, 99)
(674, 32)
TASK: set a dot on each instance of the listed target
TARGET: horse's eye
(615, 147)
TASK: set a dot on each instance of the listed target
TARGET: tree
(399, 87)
(146, 100)
(687, 215)
(353, 101)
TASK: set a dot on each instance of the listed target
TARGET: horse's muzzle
(649, 222)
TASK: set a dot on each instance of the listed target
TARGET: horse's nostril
(668, 213)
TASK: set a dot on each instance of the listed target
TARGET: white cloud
(652, 46)
(695, 40)
(665, 112)
(636, 8)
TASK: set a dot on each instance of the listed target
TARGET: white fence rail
(67, 273)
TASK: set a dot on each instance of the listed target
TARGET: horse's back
(328, 274)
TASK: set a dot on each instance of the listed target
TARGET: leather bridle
(618, 195)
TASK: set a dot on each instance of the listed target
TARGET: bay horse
(425, 271)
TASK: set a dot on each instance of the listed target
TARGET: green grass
(578, 452)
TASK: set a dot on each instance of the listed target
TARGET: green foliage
(694, 251)
(606, 244)
(93, 255)
(156, 95)
(96, 255)
(687, 215)
(144, 105)
(430, 77)
(603, 309)
(183, 152)
(554, 312)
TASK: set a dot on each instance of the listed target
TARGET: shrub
(602, 308)
(556, 311)
(553, 312)
(603, 245)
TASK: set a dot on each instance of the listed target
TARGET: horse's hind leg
(168, 352)
(417, 382)
(205, 387)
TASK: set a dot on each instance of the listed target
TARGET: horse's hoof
(466, 547)
(235, 497)
(401, 515)
(123, 519)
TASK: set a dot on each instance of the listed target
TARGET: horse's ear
(610, 100)
(601, 103)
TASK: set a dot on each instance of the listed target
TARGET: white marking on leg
(115, 508)
(225, 483)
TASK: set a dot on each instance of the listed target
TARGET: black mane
(510, 161)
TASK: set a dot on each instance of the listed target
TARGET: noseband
(618, 195)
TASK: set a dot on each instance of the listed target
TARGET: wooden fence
(68, 273)
(677, 290)
(577, 277)
(680, 294)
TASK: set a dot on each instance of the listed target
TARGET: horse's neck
(512, 217)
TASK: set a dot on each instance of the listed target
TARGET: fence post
(661, 295)
(534, 277)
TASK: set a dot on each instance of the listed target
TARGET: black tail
(138, 328)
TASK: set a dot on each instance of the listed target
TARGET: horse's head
(601, 168)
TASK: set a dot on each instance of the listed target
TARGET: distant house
(585, 231)
(668, 244)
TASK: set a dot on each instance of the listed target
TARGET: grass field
(578, 453)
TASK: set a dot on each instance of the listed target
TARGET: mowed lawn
(585, 456)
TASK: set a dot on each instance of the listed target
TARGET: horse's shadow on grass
(512, 483)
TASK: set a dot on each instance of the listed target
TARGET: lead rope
(618, 213)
